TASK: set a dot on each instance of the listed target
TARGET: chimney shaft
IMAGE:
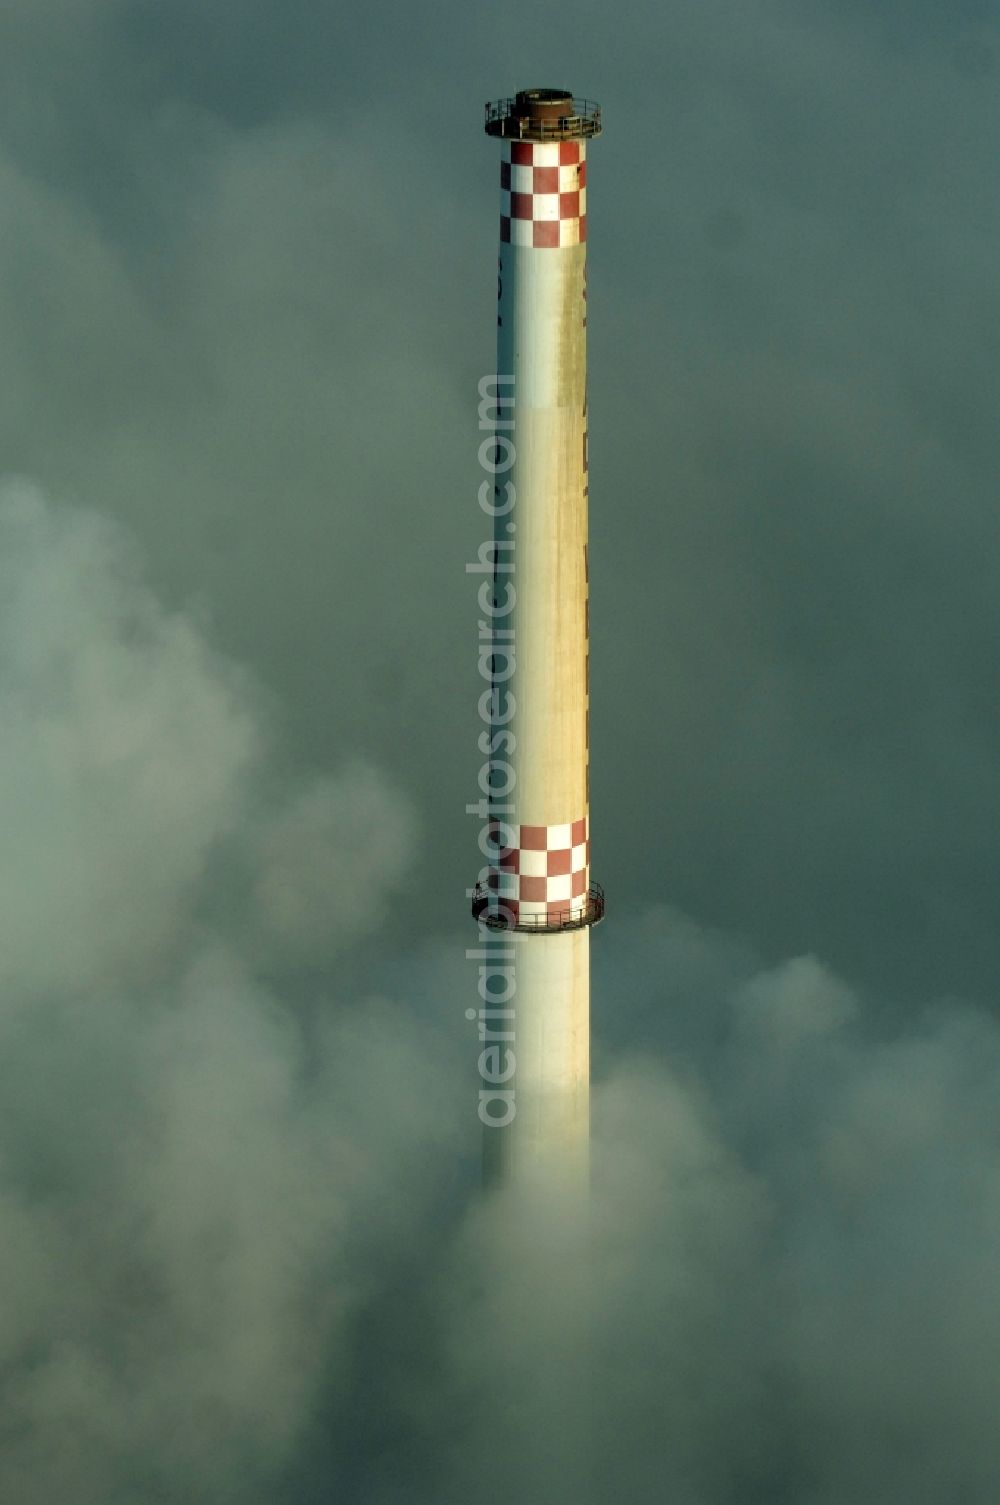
(540, 884)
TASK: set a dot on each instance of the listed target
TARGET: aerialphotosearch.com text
(496, 598)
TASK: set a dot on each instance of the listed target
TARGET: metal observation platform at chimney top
(543, 115)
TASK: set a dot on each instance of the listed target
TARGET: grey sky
(246, 292)
(245, 304)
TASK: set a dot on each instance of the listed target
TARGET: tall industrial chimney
(538, 887)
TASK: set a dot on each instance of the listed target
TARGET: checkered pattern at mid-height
(543, 193)
(546, 875)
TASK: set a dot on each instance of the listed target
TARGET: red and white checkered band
(543, 193)
(545, 875)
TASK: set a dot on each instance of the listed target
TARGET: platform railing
(490, 909)
(505, 118)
